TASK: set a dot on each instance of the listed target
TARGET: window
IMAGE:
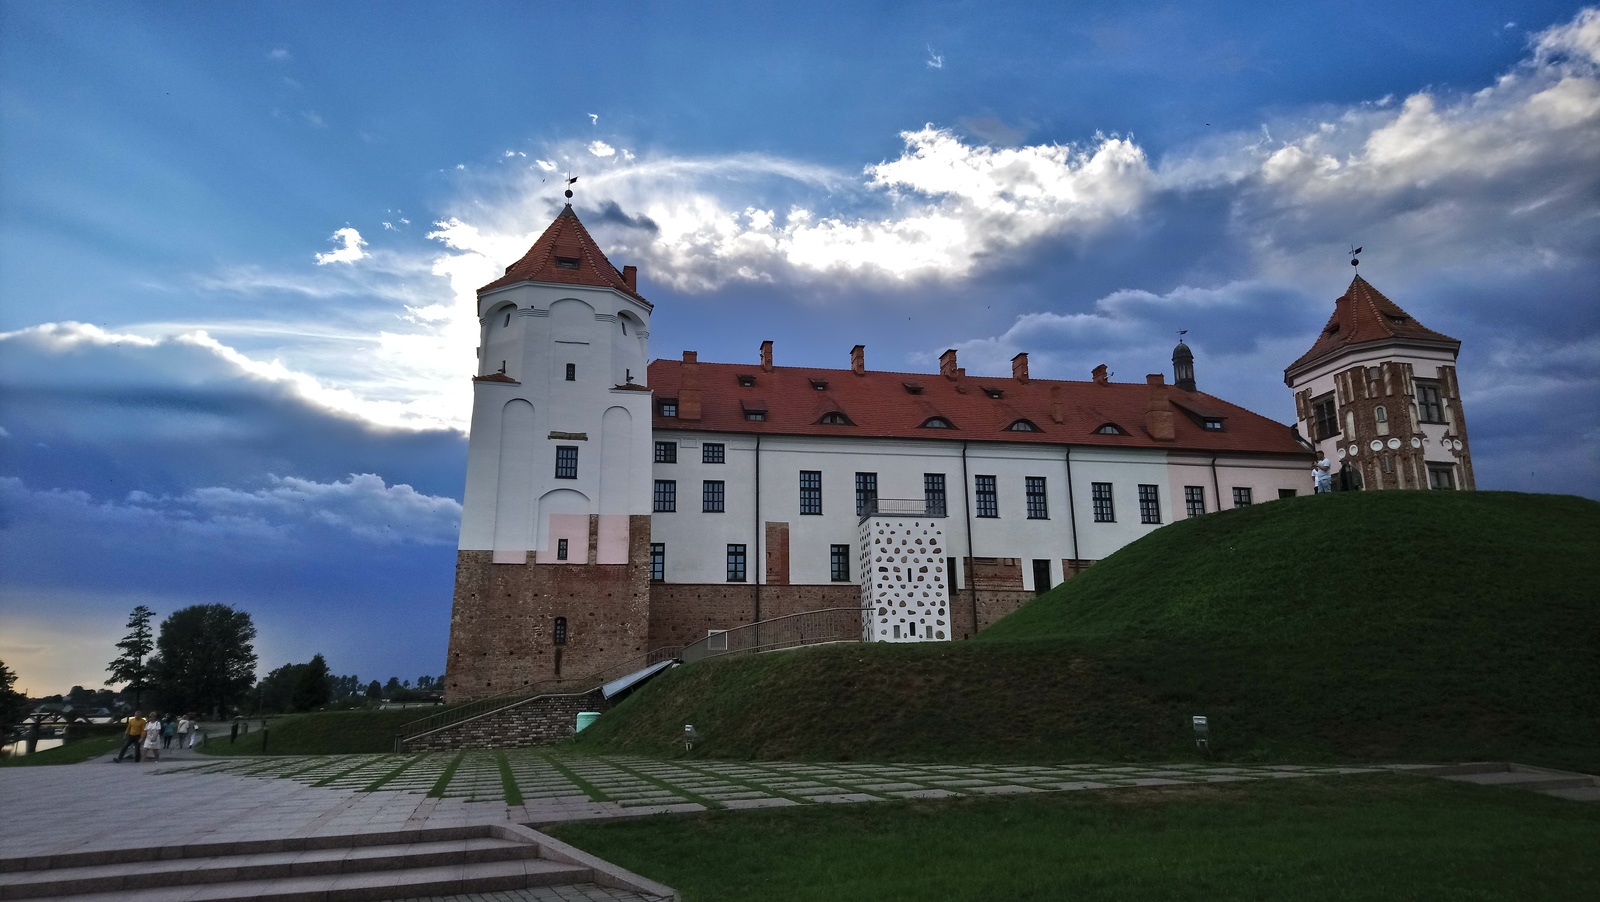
(994, 393)
(988, 501)
(713, 453)
(1038, 508)
(746, 380)
(819, 384)
(1149, 504)
(572, 372)
(561, 549)
(933, 493)
(566, 263)
(711, 496)
(669, 407)
(912, 388)
(810, 491)
(666, 495)
(566, 461)
(839, 563)
(1023, 426)
(1429, 407)
(658, 562)
(716, 640)
(866, 494)
(1441, 478)
(835, 419)
(735, 563)
(508, 321)
(1241, 497)
(950, 571)
(1104, 512)
(666, 452)
(1285, 493)
(1194, 500)
(1213, 424)
(1110, 429)
(756, 416)
(937, 423)
(1324, 418)
(1380, 415)
(559, 634)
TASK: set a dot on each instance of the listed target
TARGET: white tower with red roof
(552, 569)
(1377, 393)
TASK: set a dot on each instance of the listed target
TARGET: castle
(615, 505)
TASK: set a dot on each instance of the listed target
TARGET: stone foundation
(545, 720)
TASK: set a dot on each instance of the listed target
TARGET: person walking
(152, 736)
(169, 728)
(1322, 474)
(195, 736)
(131, 738)
(184, 726)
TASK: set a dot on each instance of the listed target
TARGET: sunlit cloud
(601, 149)
(350, 249)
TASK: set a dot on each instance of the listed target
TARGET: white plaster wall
(550, 327)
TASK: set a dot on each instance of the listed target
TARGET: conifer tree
(133, 665)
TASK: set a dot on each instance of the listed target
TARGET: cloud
(350, 248)
(545, 165)
(601, 149)
(594, 118)
(280, 55)
(935, 60)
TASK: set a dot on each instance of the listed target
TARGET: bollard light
(1202, 733)
(689, 736)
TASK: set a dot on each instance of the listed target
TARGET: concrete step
(1536, 781)
(357, 867)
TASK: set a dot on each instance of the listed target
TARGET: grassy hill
(320, 733)
(1373, 626)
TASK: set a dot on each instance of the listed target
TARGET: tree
(276, 689)
(315, 687)
(392, 688)
(13, 704)
(205, 658)
(132, 666)
(374, 691)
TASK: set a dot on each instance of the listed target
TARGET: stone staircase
(368, 866)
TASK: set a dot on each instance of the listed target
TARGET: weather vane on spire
(1182, 333)
(570, 180)
(1354, 261)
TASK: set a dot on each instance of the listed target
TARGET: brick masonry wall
(503, 617)
(681, 613)
(545, 720)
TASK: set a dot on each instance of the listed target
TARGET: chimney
(858, 360)
(630, 277)
(1158, 413)
(689, 387)
(947, 364)
(1101, 377)
(1057, 413)
(1019, 368)
(766, 357)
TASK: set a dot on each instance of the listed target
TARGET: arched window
(835, 418)
(937, 423)
(1110, 429)
(1381, 414)
(560, 633)
(508, 318)
(1023, 426)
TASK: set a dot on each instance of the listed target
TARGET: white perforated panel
(905, 595)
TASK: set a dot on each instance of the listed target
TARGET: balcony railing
(807, 628)
(902, 507)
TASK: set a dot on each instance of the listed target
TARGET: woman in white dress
(152, 737)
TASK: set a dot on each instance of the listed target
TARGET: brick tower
(1377, 393)
(552, 571)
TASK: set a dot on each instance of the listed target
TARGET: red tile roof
(1363, 315)
(879, 406)
(565, 238)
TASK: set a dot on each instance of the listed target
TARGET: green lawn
(1394, 626)
(321, 733)
(72, 753)
(1378, 837)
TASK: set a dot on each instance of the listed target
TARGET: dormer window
(913, 388)
(1023, 426)
(834, 418)
(746, 380)
(1110, 429)
(1332, 328)
(669, 407)
(994, 393)
(566, 263)
(819, 384)
(756, 416)
(1213, 424)
(754, 411)
(937, 423)
(1397, 320)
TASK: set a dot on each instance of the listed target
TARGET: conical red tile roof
(1363, 315)
(565, 240)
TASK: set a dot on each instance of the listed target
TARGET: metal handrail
(790, 631)
(901, 507)
(517, 696)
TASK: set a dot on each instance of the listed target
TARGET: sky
(239, 246)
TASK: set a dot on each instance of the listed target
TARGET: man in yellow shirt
(133, 737)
